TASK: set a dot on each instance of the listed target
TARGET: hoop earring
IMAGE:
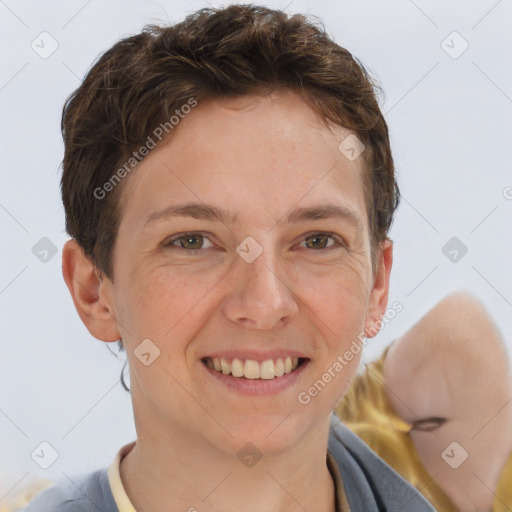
(123, 383)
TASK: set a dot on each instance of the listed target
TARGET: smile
(252, 369)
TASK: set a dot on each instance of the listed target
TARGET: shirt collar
(125, 505)
(114, 478)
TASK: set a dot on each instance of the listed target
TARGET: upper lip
(256, 355)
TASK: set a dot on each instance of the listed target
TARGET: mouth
(250, 369)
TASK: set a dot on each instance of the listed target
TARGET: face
(266, 280)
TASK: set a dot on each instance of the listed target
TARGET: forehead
(256, 155)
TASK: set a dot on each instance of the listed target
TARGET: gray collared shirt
(370, 484)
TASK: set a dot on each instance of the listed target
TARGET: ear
(380, 291)
(90, 293)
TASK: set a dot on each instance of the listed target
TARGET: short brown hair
(238, 50)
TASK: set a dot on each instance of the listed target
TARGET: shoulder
(83, 493)
(370, 483)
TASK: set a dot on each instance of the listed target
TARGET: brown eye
(191, 241)
(188, 242)
(320, 241)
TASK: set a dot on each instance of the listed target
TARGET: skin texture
(453, 364)
(261, 158)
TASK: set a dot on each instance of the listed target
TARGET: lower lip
(258, 386)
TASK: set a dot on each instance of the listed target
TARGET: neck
(178, 473)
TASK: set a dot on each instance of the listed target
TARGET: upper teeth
(251, 369)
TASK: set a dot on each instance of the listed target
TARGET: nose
(262, 296)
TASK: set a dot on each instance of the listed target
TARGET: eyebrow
(202, 211)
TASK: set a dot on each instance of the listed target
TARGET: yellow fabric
(116, 485)
(340, 498)
(366, 410)
(22, 495)
(125, 505)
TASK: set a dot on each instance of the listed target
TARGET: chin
(270, 433)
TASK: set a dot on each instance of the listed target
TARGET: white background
(451, 135)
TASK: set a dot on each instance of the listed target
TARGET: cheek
(339, 305)
(172, 302)
(161, 303)
(338, 295)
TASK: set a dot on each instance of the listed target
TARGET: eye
(193, 242)
(190, 242)
(319, 241)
